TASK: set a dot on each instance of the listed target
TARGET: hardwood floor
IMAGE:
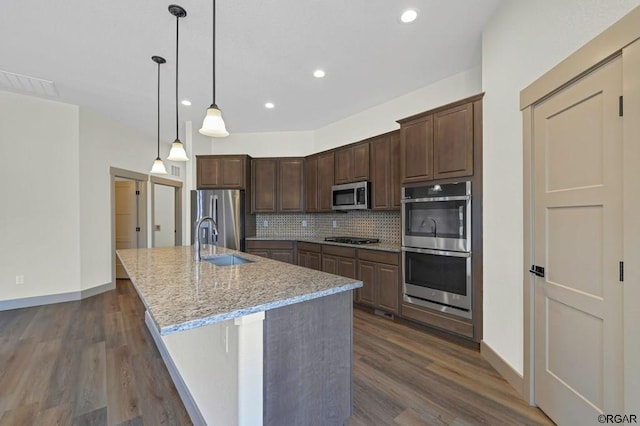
(90, 362)
(93, 362)
(405, 376)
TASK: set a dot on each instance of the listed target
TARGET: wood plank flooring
(93, 362)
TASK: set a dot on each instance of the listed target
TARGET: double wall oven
(436, 247)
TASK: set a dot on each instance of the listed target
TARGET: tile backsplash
(382, 225)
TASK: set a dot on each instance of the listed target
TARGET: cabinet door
(311, 184)
(343, 166)
(314, 261)
(380, 174)
(259, 252)
(325, 181)
(233, 172)
(346, 267)
(209, 172)
(453, 142)
(416, 150)
(264, 185)
(360, 154)
(330, 264)
(396, 179)
(388, 287)
(291, 185)
(367, 274)
(283, 256)
(303, 258)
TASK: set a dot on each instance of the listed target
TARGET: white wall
(272, 144)
(382, 118)
(103, 144)
(39, 217)
(523, 40)
(371, 122)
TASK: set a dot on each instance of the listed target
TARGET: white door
(164, 221)
(126, 220)
(577, 149)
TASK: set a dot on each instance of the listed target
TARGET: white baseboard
(181, 387)
(28, 302)
(505, 369)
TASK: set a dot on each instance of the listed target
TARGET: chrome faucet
(196, 243)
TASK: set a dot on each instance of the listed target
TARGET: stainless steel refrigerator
(228, 208)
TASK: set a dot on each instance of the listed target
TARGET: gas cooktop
(352, 240)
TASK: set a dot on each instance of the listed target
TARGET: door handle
(537, 270)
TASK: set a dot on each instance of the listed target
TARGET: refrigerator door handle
(214, 210)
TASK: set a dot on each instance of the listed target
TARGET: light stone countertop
(382, 246)
(181, 294)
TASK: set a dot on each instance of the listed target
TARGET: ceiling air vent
(26, 84)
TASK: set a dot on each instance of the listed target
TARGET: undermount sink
(226, 260)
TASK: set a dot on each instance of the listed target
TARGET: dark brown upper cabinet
(385, 172)
(278, 185)
(264, 178)
(416, 150)
(222, 171)
(291, 185)
(319, 173)
(352, 163)
(453, 142)
(438, 144)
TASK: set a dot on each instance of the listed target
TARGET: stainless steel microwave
(351, 196)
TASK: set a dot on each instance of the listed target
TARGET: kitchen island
(255, 343)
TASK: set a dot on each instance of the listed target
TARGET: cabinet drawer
(309, 247)
(339, 251)
(379, 256)
(269, 244)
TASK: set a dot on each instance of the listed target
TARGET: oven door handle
(437, 199)
(437, 252)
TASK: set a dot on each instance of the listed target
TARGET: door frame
(141, 183)
(177, 199)
(612, 42)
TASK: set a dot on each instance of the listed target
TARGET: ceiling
(98, 54)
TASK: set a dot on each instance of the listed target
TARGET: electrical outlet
(335, 223)
(19, 279)
(265, 223)
(304, 223)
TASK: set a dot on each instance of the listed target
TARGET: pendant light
(177, 152)
(213, 124)
(158, 165)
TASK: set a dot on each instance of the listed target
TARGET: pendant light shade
(213, 124)
(158, 165)
(177, 152)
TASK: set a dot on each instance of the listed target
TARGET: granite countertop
(383, 245)
(181, 294)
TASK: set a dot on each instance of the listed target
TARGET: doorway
(166, 212)
(581, 126)
(129, 215)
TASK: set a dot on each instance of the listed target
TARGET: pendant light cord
(158, 109)
(213, 50)
(177, 39)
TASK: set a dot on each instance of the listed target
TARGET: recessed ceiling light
(269, 105)
(186, 102)
(318, 73)
(409, 15)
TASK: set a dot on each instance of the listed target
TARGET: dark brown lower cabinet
(380, 275)
(282, 251)
(339, 260)
(310, 255)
